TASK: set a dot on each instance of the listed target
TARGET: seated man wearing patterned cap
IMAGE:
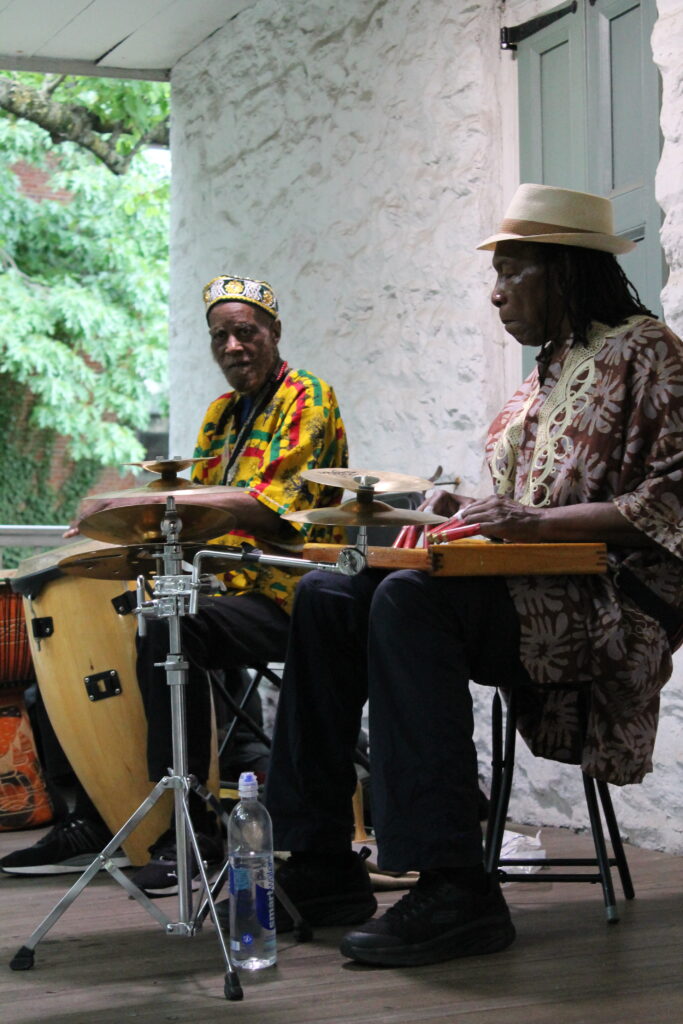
(273, 423)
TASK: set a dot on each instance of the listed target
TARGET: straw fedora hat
(559, 216)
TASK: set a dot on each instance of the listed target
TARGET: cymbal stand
(172, 598)
(169, 602)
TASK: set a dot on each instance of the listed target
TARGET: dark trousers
(228, 632)
(410, 643)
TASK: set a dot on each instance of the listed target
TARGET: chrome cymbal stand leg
(170, 600)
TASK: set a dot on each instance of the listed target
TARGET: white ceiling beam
(185, 26)
(53, 66)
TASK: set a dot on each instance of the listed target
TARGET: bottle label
(264, 898)
(265, 908)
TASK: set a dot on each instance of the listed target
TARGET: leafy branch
(111, 120)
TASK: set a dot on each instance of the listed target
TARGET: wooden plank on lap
(378, 557)
(488, 558)
(478, 557)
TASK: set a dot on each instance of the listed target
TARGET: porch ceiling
(127, 38)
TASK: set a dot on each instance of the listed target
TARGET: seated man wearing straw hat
(589, 448)
(274, 422)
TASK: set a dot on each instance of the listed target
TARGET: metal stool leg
(600, 849)
(503, 764)
(502, 768)
(615, 839)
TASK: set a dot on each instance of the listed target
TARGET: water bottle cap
(248, 786)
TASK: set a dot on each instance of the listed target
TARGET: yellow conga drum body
(84, 657)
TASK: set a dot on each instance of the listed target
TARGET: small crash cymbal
(120, 563)
(167, 467)
(379, 481)
(373, 513)
(141, 523)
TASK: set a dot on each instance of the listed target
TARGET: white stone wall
(667, 49)
(353, 154)
(341, 152)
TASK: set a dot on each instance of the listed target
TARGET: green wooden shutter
(589, 119)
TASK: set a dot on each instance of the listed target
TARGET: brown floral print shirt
(606, 424)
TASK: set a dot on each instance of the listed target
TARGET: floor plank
(106, 960)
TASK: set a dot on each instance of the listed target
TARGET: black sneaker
(325, 896)
(435, 921)
(159, 877)
(69, 847)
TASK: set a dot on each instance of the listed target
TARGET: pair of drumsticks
(420, 536)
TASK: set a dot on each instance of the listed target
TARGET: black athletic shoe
(69, 847)
(435, 921)
(159, 877)
(324, 895)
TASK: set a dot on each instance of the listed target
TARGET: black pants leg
(228, 632)
(312, 778)
(412, 643)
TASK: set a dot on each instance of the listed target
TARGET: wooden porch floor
(107, 961)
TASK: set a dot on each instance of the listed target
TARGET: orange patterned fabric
(24, 801)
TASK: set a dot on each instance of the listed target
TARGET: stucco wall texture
(351, 154)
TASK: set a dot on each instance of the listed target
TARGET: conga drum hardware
(103, 685)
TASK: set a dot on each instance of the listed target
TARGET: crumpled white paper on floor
(517, 845)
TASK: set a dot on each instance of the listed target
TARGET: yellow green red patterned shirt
(300, 428)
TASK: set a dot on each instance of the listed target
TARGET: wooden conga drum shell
(86, 673)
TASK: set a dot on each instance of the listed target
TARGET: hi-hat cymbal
(159, 490)
(374, 513)
(381, 482)
(120, 563)
(141, 523)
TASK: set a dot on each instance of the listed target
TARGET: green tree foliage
(83, 282)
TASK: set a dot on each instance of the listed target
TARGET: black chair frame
(236, 708)
(502, 764)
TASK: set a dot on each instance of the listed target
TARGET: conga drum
(84, 656)
(24, 801)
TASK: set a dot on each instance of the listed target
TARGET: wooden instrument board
(478, 557)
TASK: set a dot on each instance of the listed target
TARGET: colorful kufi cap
(228, 288)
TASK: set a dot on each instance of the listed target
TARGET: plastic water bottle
(253, 943)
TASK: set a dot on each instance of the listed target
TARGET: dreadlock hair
(593, 287)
